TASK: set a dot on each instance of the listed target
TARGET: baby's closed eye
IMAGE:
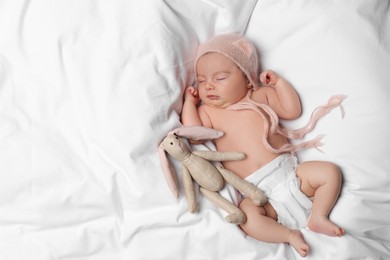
(221, 76)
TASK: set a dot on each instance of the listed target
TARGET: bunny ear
(197, 133)
(169, 172)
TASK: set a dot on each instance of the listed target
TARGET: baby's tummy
(256, 156)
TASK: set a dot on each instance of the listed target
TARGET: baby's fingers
(268, 77)
(265, 77)
(191, 92)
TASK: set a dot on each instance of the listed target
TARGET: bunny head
(174, 145)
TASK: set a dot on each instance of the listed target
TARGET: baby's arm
(189, 114)
(281, 95)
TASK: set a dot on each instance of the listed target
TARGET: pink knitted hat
(238, 49)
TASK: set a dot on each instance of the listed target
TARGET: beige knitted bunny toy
(210, 178)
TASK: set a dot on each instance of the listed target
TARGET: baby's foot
(297, 241)
(322, 224)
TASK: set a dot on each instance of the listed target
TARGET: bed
(88, 89)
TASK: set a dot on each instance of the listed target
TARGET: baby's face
(220, 82)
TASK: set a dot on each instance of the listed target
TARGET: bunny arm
(248, 189)
(220, 156)
(236, 216)
(189, 190)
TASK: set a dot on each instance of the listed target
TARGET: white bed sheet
(88, 89)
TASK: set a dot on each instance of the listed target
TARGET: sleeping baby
(230, 98)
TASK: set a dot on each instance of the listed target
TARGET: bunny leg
(236, 216)
(189, 191)
(248, 189)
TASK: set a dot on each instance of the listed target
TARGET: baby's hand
(191, 95)
(269, 77)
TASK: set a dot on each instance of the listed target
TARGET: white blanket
(88, 89)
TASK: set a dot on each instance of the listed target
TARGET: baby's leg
(261, 225)
(322, 181)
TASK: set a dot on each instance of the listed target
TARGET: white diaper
(279, 182)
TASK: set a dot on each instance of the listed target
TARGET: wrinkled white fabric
(88, 89)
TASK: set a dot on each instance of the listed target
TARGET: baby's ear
(248, 82)
(198, 133)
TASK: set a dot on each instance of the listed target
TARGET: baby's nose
(209, 85)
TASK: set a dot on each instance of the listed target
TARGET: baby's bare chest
(242, 129)
(241, 121)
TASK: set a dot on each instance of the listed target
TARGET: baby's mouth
(212, 97)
